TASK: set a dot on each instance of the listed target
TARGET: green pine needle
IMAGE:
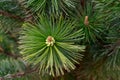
(51, 46)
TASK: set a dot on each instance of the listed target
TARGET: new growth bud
(86, 21)
(50, 41)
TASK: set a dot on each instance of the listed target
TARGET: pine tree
(59, 39)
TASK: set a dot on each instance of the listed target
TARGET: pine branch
(4, 13)
(13, 55)
(9, 54)
(18, 75)
(113, 47)
(29, 15)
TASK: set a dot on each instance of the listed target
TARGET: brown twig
(15, 56)
(9, 54)
(4, 13)
(18, 75)
(1, 49)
